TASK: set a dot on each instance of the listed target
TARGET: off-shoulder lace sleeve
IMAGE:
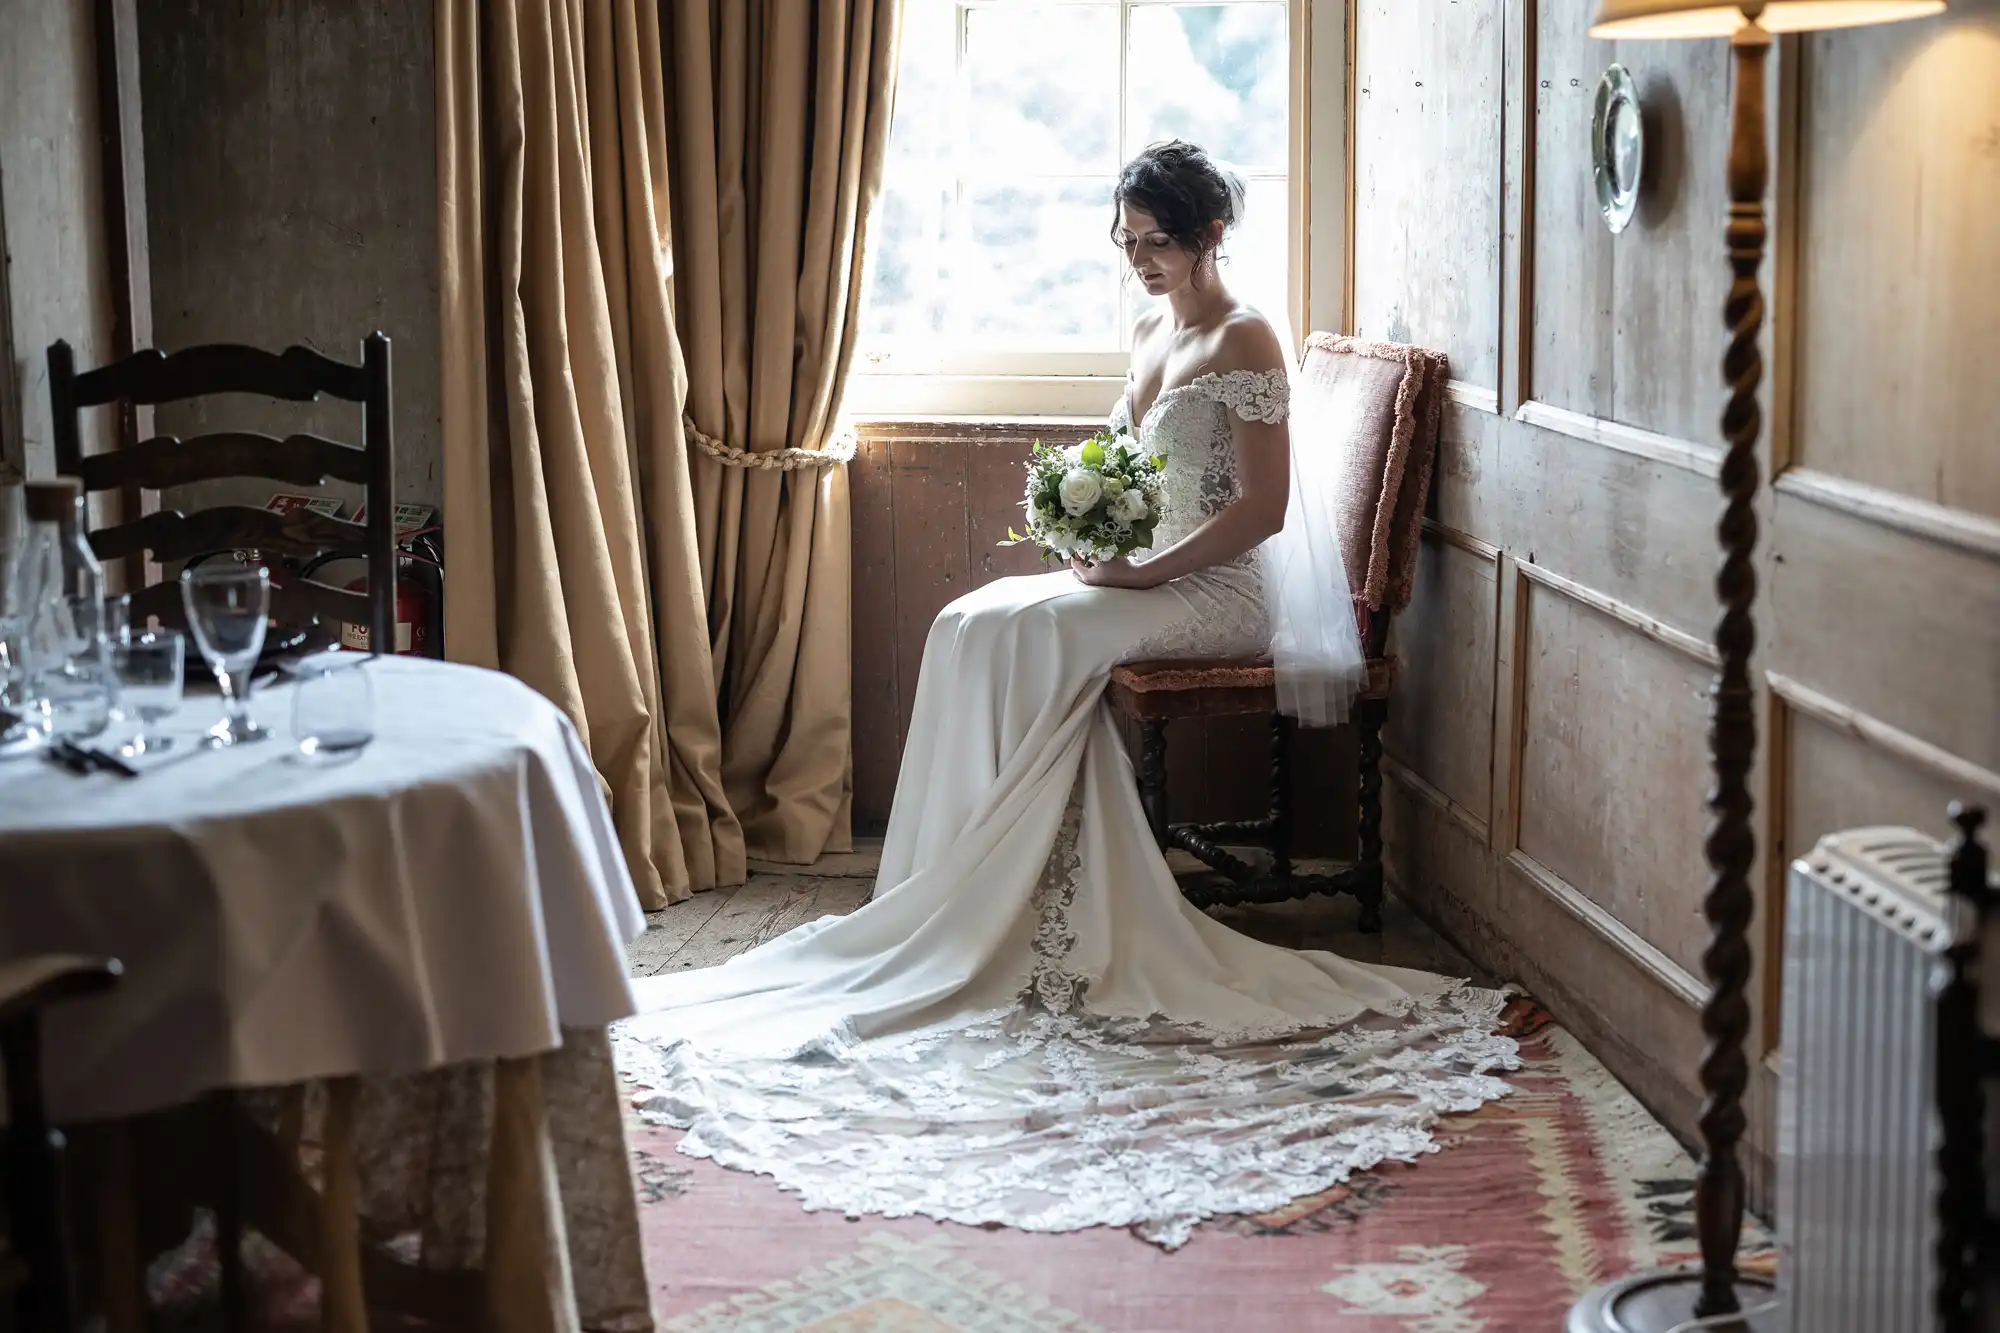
(1255, 395)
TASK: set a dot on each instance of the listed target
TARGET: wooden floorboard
(669, 930)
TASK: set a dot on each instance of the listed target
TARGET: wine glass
(151, 667)
(228, 607)
(333, 706)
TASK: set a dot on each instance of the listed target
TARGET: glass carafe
(58, 596)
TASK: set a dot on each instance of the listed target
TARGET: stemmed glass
(228, 608)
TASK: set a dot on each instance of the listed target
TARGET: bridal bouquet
(1097, 500)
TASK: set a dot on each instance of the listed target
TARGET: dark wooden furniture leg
(228, 1210)
(1279, 825)
(1369, 717)
(1959, 1088)
(1153, 777)
(31, 1152)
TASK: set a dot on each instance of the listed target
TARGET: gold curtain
(689, 613)
(779, 121)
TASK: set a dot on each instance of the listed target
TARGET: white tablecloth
(455, 893)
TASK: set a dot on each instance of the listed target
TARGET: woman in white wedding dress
(1027, 1024)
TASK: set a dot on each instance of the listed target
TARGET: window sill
(967, 428)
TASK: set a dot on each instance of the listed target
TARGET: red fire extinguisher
(419, 595)
(413, 618)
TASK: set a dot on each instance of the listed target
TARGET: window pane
(924, 134)
(1254, 257)
(909, 269)
(1253, 260)
(991, 231)
(1042, 88)
(1212, 74)
(1037, 270)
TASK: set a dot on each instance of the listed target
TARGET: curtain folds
(638, 223)
(779, 127)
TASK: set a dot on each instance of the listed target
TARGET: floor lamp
(1711, 1294)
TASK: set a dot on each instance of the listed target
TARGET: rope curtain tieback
(839, 450)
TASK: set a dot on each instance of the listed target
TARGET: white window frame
(931, 386)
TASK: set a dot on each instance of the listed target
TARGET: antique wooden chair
(1380, 404)
(298, 374)
(36, 1276)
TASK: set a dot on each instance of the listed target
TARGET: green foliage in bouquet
(1096, 500)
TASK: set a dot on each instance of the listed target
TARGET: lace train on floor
(1056, 1122)
(1046, 1117)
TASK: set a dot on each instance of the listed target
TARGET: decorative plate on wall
(1617, 147)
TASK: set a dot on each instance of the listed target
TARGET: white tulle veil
(1315, 645)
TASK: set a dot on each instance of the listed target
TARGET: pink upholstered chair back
(1380, 405)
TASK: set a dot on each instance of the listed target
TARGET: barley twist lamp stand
(1711, 1294)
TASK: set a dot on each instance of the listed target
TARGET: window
(993, 283)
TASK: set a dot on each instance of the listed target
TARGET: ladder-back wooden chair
(1380, 405)
(298, 374)
(37, 1276)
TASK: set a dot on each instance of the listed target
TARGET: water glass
(151, 668)
(117, 618)
(24, 717)
(333, 706)
(228, 608)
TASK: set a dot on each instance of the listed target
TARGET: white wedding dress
(1027, 1024)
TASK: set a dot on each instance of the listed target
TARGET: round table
(454, 892)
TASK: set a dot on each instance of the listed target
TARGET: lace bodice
(1192, 425)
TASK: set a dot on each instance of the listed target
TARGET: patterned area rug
(1535, 1199)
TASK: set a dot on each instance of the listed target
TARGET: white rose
(1129, 507)
(1079, 491)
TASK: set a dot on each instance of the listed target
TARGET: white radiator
(1864, 925)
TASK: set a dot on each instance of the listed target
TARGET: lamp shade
(1705, 18)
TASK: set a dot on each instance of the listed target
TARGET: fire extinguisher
(419, 596)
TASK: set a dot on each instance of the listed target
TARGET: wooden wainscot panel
(1440, 732)
(1515, 930)
(1428, 125)
(1902, 627)
(877, 721)
(1613, 763)
(1900, 258)
(1637, 528)
(1625, 328)
(1464, 493)
(1835, 768)
(1843, 769)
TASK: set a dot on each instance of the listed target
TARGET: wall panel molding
(1650, 960)
(1473, 396)
(1702, 459)
(1873, 731)
(1891, 509)
(1517, 204)
(1464, 541)
(1401, 773)
(1626, 614)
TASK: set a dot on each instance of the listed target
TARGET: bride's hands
(1119, 573)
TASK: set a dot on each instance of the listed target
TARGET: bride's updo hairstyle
(1185, 190)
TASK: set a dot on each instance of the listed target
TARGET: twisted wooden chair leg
(1153, 778)
(1281, 797)
(1369, 717)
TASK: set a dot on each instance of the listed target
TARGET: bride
(1027, 1024)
